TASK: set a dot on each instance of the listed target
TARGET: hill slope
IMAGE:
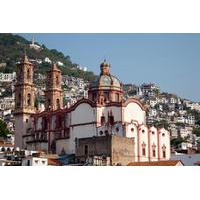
(12, 48)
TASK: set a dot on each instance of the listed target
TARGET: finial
(25, 58)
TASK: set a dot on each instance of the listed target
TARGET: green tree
(175, 142)
(196, 131)
(3, 129)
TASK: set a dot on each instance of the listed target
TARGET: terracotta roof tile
(156, 163)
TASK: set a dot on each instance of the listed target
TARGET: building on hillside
(149, 89)
(34, 161)
(35, 46)
(7, 77)
(103, 113)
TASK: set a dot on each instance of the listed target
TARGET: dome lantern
(105, 68)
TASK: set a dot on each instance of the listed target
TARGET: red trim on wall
(149, 142)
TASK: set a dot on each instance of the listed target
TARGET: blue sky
(170, 60)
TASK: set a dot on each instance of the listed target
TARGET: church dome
(106, 88)
(106, 80)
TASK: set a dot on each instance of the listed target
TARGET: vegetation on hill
(3, 129)
(12, 49)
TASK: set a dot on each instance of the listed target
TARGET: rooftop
(157, 163)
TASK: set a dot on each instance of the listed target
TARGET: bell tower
(24, 100)
(53, 93)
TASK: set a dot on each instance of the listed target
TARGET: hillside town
(179, 116)
(163, 112)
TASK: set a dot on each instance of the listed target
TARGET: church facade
(104, 112)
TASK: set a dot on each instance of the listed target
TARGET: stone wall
(119, 149)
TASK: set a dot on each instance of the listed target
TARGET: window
(29, 99)
(106, 132)
(86, 150)
(117, 129)
(143, 131)
(58, 103)
(132, 129)
(117, 97)
(143, 151)
(111, 120)
(26, 120)
(28, 74)
(154, 153)
(28, 162)
(153, 132)
(19, 100)
(102, 120)
(164, 154)
(57, 80)
(106, 96)
(100, 132)
(163, 135)
(43, 162)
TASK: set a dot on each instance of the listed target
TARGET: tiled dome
(106, 82)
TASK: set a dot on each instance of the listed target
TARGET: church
(103, 113)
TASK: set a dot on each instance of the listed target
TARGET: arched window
(19, 100)
(164, 154)
(164, 151)
(111, 120)
(102, 120)
(143, 149)
(117, 97)
(58, 103)
(29, 99)
(57, 80)
(49, 103)
(28, 74)
(154, 153)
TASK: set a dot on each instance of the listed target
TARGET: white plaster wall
(164, 140)
(111, 130)
(134, 112)
(133, 134)
(78, 132)
(83, 113)
(116, 112)
(143, 137)
(153, 137)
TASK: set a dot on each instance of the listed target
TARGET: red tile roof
(156, 163)
(54, 162)
(197, 163)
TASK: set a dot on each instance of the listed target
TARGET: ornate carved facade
(53, 93)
